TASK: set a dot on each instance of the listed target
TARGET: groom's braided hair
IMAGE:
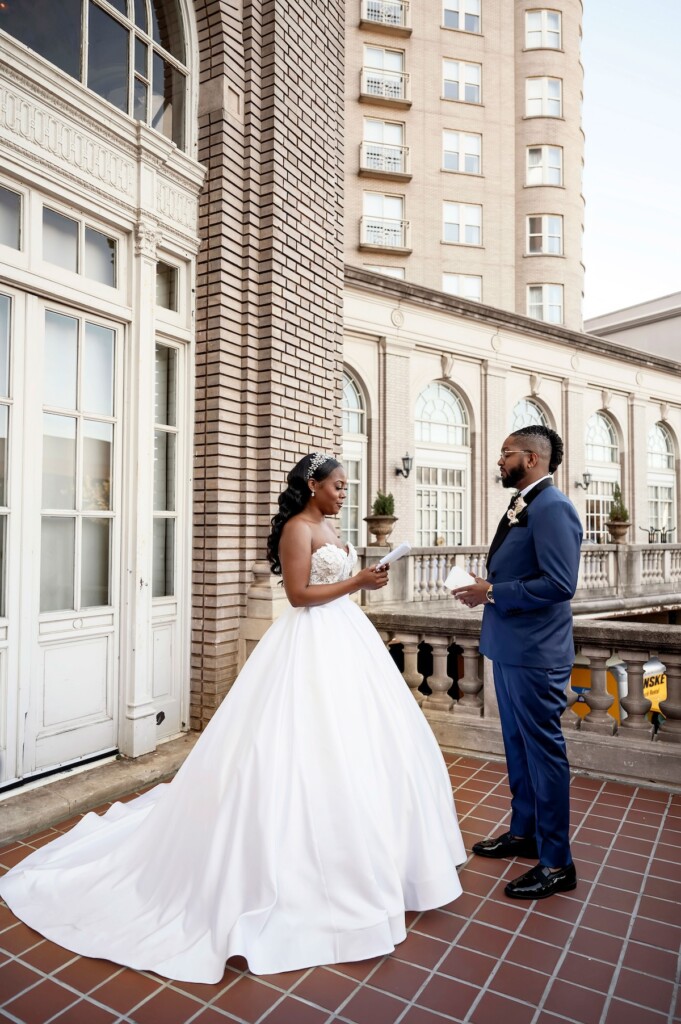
(294, 499)
(546, 434)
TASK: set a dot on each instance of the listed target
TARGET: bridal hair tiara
(318, 460)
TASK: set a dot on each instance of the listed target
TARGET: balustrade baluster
(432, 569)
(439, 681)
(670, 730)
(635, 704)
(413, 678)
(470, 684)
(597, 697)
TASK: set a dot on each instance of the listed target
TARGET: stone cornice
(402, 291)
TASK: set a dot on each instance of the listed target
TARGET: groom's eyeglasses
(505, 452)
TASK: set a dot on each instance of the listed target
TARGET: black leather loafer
(507, 845)
(540, 882)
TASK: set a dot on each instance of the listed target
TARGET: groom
(532, 568)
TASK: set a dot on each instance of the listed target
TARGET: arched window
(527, 413)
(130, 52)
(442, 468)
(602, 462)
(661, 480)
(441, 416)
(354, 460)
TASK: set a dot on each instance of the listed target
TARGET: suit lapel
(505, 524)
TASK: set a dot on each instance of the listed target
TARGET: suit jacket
(534, 567)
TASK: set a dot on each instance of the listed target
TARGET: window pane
(166, 385)
(5, 310)
(10, 217)
(108, 43)
(163, 569)
(56, 563)
(99, 262)
(3, 548)
(164, 471)
(166, 286)
(95, 560)
(60, 240)
(120, 5)
(141, 15)
(167, 100)
(97, 462)
(98, 370)
(4, 422)
(141, 57)
(59, 461)
(167, 27)
(60, 360)
(139, 100)
(54, 31)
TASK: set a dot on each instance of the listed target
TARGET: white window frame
(545, 32)
(462, 74)
(550, 234)
(397, 272)
(549, 302)
(526, 412)
(544, 170)
(466, 147)
(465, 286)
(355, 447)
(538, 101)
(467, 223)
(463, 9)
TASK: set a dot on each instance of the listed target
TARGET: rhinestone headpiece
(318, 459)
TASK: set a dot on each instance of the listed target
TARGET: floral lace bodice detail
(330, 564)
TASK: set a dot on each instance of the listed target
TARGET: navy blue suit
(527, 633)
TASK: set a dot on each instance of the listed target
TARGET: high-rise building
(464, 149)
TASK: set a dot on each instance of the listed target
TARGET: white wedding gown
(314, 810)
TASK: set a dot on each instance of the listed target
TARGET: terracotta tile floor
(606, 954)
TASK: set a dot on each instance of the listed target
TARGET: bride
(313, 812)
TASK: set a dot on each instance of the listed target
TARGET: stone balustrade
(462, 710)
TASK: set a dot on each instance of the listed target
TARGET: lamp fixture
(407, 463)
(584, 482)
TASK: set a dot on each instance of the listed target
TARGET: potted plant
(617, 522)
(382, 518)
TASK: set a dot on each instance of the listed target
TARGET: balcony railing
(389, 86)
(462, 710)
(393, 14)
(384, 158)
(384, 232)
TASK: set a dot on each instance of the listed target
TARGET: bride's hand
(372, 578)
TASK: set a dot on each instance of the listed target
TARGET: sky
(631, 53)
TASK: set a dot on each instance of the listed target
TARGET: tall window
(661, 480)
(442, 467)
(461, 151)
(527, 413)
(545, 302)
(544, 165)
(383, 147)
(78, 457)
(543, 97)
(383, 73)
(542, 30)
(10, 218)
(602, 461)
(136, 56)
(383, 221)
(545, 235)
(462, 223)
(354, 460)
(5, 329)
(461, 14)
(466, 286)
(165, 471)
(461, 81)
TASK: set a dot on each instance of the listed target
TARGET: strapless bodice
(330, 564)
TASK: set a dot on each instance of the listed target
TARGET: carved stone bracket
(447, 364)
(535, 384)
(147, 239)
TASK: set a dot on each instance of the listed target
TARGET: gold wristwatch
(489, 596)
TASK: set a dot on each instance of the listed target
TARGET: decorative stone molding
(664, 411)
(397, 317)
(606, 399)
(535, 384)
(147, 239)
(176, 206)
(447, 364)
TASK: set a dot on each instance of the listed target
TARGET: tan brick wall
(268, 297)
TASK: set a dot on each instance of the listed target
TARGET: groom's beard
(513, 477)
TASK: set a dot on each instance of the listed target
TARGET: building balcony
(390, 16)
(383, 234)
(379, 160)
(387, 88)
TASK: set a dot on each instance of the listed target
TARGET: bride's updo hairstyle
(315, 466)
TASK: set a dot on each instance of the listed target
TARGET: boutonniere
(515, 510)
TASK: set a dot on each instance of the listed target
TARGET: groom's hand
(474, 594)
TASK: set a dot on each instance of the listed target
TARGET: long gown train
(314, 810)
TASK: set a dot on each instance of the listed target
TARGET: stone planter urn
(381, 527)
(617, 530)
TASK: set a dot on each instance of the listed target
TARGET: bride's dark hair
(294, 499)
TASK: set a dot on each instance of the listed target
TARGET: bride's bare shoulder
(297, 531)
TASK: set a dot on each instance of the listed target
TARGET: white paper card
(398, 552)
(458, 578)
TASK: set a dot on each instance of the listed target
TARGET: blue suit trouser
(531, 702)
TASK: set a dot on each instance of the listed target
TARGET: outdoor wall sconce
(584, 482)
(407, 463)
